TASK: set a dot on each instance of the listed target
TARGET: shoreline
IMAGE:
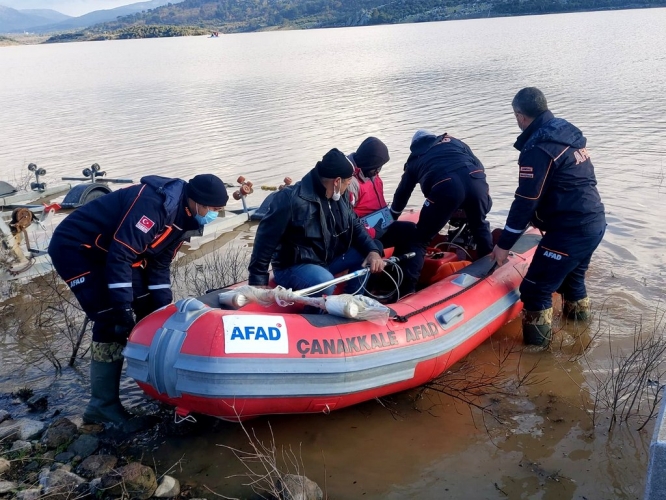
(9, 39)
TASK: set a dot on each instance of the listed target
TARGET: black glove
(161, 297)
(379, 230)
(123, 317)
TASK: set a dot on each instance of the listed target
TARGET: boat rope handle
(405, 318)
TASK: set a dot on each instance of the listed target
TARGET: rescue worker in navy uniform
(114, 253)
(451, 178)
(311, 233)
(557, 193)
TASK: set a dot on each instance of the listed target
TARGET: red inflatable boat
(236, 364)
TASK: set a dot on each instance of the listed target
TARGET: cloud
(69, 7)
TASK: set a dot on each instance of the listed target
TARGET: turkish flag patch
(145, 224)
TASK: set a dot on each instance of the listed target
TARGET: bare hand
(374, 262)
(499, 255)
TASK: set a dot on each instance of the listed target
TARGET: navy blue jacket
(431, 161)
(142, 224)
(557, 189)
(297, 230)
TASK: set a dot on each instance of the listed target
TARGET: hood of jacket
(422, 146)
(547, 128)
(171, 189)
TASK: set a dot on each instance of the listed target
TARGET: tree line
(201, 16)
(249, 15)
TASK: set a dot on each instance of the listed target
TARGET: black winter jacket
(557, 188)
(145, 223)
(432, 160)
(297, 230)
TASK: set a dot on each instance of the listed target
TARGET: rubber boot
(577, 310)
(104, 405)
(537, 329)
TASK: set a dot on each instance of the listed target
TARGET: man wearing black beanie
(114, 253)
(311, 233)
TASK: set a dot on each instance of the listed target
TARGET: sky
(69, 7)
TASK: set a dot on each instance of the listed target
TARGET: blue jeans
(306, 275)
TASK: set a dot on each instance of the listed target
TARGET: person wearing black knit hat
(208, 190)
(311, 233)
(366, 191)
(114, 254)
(209, 195)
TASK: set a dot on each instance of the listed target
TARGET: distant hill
(47, 21)
(253, 15)
(13, 21)
(51, 15)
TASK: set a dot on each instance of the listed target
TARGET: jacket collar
(311, 187)
(533, 127)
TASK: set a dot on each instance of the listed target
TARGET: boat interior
(450, 252)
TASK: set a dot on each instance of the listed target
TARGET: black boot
(104, 405)
(537, 329)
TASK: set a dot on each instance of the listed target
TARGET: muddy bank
(63, 459)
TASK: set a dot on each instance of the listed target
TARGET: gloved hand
(161, 297)
(124, 319)
(379, 230)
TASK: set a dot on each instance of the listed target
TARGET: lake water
(269, 105)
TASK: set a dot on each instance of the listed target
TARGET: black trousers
(461, 190)
(87, 280)
(559, 265)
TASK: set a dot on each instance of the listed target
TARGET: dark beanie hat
(371, 154)
(207, 190)
(335, 164)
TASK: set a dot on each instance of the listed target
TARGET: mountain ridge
(15, 21)
(253, 15)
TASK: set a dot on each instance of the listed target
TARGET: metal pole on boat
(350, 276)
(334, 281)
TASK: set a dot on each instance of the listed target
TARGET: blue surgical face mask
(205, 219)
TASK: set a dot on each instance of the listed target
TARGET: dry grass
(45, 323)
(629, 386)
(479, 386)
(222, 267)
(267, 467)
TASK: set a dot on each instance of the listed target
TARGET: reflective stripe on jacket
(145, 223)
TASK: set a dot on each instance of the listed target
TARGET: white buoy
(232, 299)
(344, 308)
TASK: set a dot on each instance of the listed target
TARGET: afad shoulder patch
(145, 224)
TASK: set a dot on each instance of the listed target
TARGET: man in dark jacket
(451, 178)
(557, 192)
(114, 253)
(311, 233)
